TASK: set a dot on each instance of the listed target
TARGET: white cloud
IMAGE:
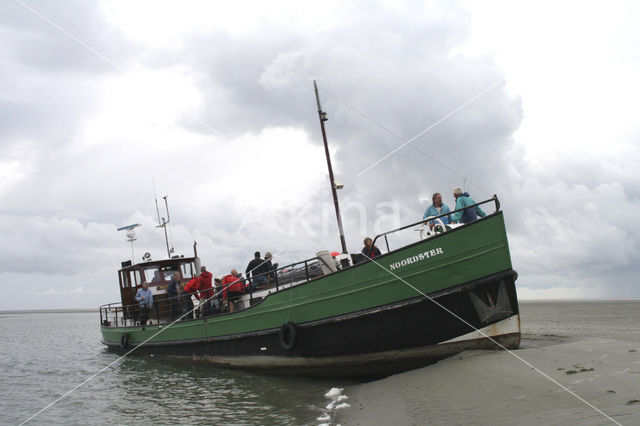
(81, 139)
(55, 292)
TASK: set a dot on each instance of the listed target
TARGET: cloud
(54, 292)
(214, 107)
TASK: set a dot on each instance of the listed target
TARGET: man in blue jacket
(145, 297)
(436, 209)
(469, 214)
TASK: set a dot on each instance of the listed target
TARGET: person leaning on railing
(469, 214)
(233, 287)
(190, 288)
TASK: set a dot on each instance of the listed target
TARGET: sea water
(45, 355)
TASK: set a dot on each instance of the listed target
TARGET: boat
(339, 316)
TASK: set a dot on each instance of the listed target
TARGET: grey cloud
(394, 64)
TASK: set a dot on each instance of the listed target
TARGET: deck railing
(116, 315)
(494, 199)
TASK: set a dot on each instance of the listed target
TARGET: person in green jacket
(469, 214)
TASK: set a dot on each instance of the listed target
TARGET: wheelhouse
(157, 274)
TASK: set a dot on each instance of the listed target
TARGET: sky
(107, 105)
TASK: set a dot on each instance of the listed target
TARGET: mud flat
(494, 387)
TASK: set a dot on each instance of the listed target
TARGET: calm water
(45, 355)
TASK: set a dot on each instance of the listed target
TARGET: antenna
(162, 223)
(465, 179)
(131, 236)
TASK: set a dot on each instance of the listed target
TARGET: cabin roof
(163, 262)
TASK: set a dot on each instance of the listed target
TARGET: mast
(323, 117)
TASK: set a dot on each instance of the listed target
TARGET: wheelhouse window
(168, 272)
(188, 270)
(152, 274)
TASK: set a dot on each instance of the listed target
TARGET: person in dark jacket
(258, 269)
(369, 250)
(271, 267)
(172, 294)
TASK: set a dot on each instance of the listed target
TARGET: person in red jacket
(233, 287)
(191, 288)
(205, 291)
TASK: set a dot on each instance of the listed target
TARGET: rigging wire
(408, 141)
(518, 357)
(162, 329)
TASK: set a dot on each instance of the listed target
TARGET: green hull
(431, 266)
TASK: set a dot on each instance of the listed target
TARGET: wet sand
(494, 387)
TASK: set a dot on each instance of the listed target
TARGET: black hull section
(370, 343)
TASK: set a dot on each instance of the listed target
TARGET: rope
(518, 357)
(408, 141)
(133, 349)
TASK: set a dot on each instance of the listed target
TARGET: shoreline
(47, 311)
(494, 387)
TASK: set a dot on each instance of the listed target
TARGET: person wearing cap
(271, 267)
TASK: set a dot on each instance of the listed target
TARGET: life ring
(288, 335)
(124, 340)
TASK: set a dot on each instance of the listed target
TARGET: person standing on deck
(233, 287)
(436, 209)
(469, 214)
(145, 298)
(216, 304)
(258, 269)
(190, 289)
(206, 291)
(172, 294)
(271, 267)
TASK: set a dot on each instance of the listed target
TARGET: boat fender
(124, 340)
(288, 335)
